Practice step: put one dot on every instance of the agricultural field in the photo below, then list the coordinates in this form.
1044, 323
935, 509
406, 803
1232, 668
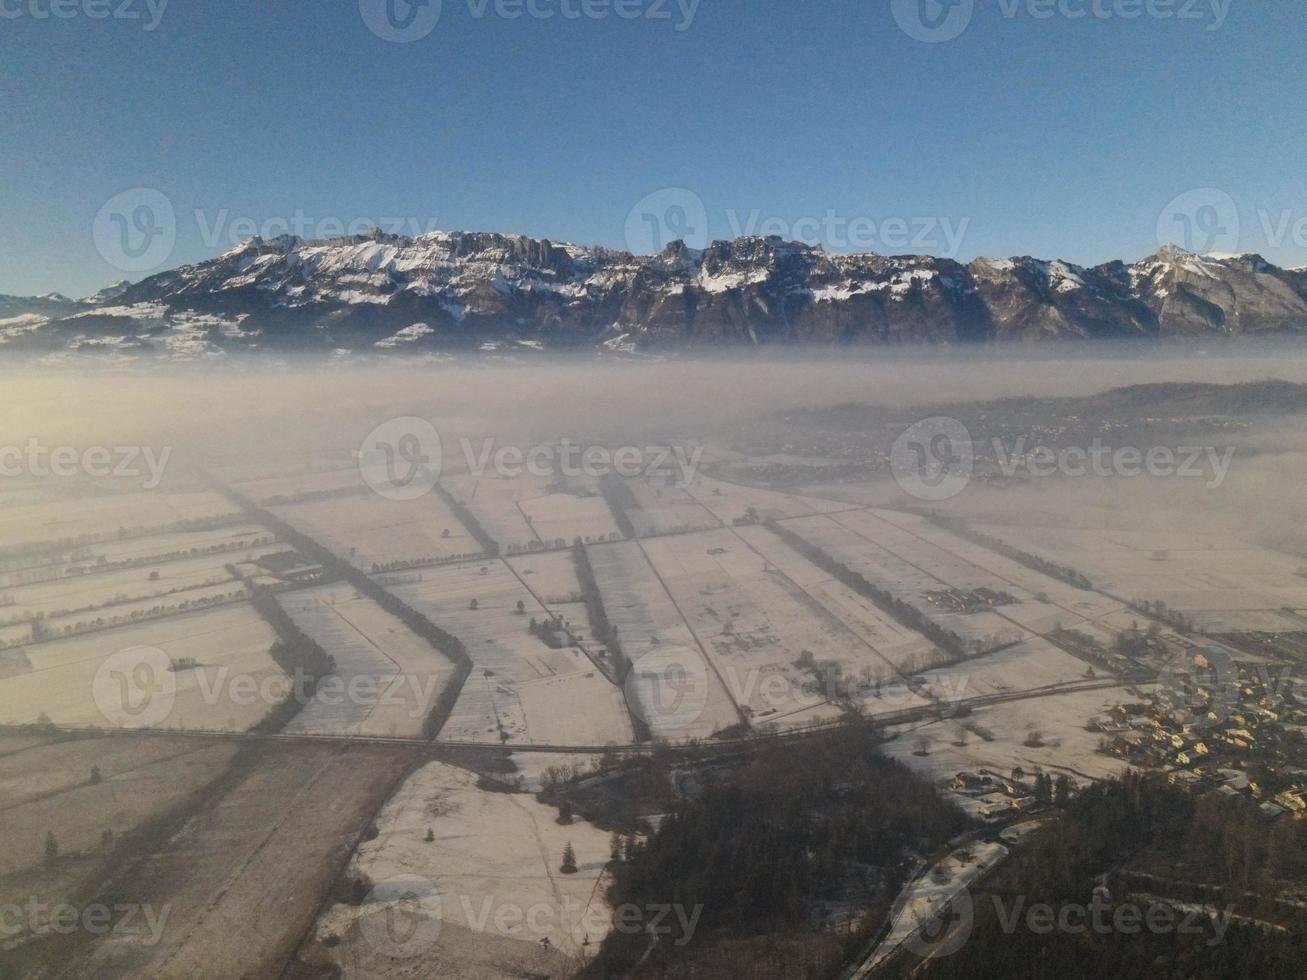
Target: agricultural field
1225, 581
496, 503
48, 787
387, 680
61, 680
733, 502
656, 505
375, 533
999, 737
95, 797
253, 863
559, 518
1032, 664
126, 613
115, 554
673, 687
287, 487
293, 470
96, 590
910, 570
521, 689
757, 626
443, 891
895, 644
103, 516
551, 578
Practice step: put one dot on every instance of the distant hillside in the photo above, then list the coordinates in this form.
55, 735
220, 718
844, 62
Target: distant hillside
1178, 400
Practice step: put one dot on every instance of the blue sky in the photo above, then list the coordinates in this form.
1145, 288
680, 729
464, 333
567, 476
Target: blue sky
1057, 136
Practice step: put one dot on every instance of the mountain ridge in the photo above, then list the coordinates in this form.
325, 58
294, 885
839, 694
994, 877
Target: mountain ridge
447, 292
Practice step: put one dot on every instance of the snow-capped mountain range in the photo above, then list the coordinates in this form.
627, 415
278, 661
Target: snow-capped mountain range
468, 291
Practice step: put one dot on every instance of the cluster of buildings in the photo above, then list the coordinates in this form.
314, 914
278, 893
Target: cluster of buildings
1249, 743
992, 796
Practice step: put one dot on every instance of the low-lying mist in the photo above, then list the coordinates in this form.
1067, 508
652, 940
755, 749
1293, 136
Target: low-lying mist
225, 406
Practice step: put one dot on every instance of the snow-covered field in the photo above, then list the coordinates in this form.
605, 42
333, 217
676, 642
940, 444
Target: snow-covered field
388, 679
1033, 663
370, 530
755, 624
235, 684
672, 685
520, 689
559, 518
1226, 580
270, 488
91, 591
1000, 733
665, 508
729, 502
496, 504
894, 644
105, 514
488, 879
910, 558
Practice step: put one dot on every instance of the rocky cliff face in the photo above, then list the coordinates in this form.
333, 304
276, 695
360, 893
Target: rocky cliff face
467, 291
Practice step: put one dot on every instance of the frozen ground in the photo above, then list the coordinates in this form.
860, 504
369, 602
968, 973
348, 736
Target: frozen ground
995, 737
235, 684
397, 675
491, 869
520, 689
672, 685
